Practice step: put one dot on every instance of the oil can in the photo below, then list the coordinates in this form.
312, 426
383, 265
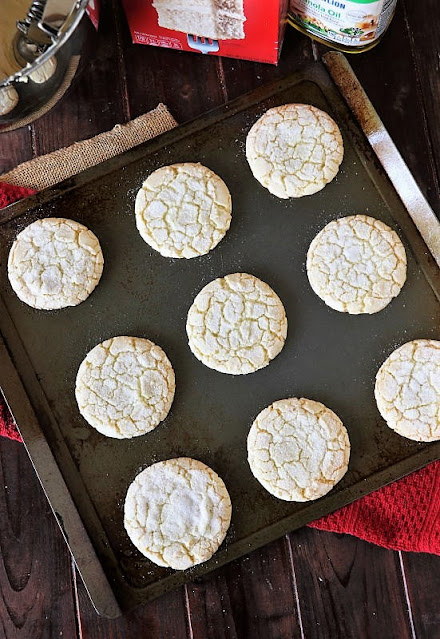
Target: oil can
351, 26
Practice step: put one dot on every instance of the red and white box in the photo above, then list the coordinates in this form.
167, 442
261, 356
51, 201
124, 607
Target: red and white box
242, 29
93, 11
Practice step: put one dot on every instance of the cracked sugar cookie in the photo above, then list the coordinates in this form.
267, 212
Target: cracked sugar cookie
236, 324
407, 390
294, 150
298, 449
177, 512
183, 210
55, 263
125, 387
356, 264
8, 99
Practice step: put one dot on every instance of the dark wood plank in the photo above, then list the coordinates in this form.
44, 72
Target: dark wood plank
393, 80
210, 609
424, 43
422, 573
348, 588
36, 593
164, 618
253, 597
241, 76
15, 147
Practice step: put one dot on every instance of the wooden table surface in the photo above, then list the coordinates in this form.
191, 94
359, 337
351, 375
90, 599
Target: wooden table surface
309, 583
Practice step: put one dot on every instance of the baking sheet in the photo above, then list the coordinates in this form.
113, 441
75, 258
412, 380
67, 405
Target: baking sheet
328, 356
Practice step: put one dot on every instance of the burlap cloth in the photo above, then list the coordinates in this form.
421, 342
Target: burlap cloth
50, 169
404, 515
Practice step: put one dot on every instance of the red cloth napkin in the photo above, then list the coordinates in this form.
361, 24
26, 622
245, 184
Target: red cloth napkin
402, 516
10, 193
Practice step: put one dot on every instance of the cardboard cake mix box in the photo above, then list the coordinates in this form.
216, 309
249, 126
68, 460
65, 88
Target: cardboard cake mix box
243, 29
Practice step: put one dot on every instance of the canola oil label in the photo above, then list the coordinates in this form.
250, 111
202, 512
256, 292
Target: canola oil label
349, 22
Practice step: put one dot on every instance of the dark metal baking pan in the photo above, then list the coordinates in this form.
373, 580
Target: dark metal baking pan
329, 356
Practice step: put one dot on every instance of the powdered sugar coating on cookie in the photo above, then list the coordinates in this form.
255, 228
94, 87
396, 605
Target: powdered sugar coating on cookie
55, 263
125, 387
294, 150
407, 390
298, 449
356, 264
183, 210
177, 512
236, 324
8, 98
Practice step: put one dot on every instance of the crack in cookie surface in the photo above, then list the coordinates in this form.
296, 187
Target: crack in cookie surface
177, 512
236, 324
298, 449
407, 390
183, 210
55, 263
294, 150
356, 264
125, 387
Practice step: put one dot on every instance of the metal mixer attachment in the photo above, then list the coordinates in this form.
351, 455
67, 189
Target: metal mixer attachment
47, 45
44, 24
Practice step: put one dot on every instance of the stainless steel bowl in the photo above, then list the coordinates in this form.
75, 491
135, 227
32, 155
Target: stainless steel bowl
31, 91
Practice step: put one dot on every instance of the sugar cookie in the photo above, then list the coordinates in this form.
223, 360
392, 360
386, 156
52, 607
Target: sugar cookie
55, 263
8, 99
177, 512
183, 210
298, 449
356, 264
294, 150
125, 387
407, 390
236, 324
